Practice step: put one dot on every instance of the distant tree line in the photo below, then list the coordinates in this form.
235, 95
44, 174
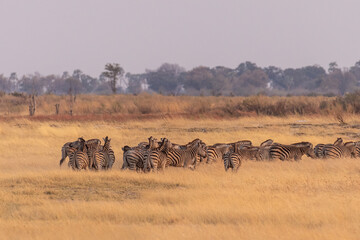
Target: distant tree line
172, 79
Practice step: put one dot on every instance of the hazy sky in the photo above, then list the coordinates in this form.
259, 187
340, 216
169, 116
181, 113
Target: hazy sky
52, 36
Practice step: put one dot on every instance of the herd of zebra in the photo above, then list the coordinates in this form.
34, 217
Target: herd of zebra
155, 155
88, 154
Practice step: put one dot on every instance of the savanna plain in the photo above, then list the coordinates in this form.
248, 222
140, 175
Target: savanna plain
309, 199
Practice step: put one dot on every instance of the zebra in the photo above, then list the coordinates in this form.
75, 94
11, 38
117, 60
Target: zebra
65, 150
318, 149
199, 158
216, 151
135, 158
232, 159
92, 146
294, 151
247, 152
264, 150
108, 153
186, 157
157, 154
99, 160
78, 157
347, 149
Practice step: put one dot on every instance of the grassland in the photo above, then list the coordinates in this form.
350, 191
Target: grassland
146, 106
310, 199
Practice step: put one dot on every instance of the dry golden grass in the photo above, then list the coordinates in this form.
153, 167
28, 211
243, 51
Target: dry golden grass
99, 107
310, 199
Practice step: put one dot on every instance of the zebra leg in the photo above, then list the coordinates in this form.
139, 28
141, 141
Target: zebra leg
163, 164
125, 164
77, 166
132, 166
61, 161
155, 167
226, 165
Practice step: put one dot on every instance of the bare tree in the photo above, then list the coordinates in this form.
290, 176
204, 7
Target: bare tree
32, 105
72, 95
57, 108
32, 102
113, 72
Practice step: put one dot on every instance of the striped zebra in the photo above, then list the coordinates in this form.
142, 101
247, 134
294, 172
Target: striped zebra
99, 160
294, 151
216, 151
199, 159
65, 150
108, 153
140, 147
345, 150
232, 160
134, 158
78, 157
92, 146
186, 157
234, 157
157, 155
264, 150
318, 149
248, 152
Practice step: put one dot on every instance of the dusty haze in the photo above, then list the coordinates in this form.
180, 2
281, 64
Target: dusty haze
55, 36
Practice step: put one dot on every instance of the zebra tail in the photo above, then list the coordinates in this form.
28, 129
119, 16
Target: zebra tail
124, 165
76, 162
63, 156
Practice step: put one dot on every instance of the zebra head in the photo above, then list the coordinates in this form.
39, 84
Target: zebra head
351, 146
82, 144
153, 143
165, 145
75, 144
106, 140
309, 150
202, 149
306, 148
